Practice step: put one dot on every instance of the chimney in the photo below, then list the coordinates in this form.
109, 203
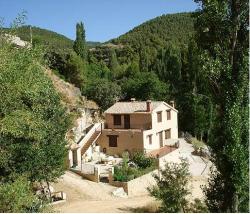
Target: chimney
172, 103
132, 99
149, 106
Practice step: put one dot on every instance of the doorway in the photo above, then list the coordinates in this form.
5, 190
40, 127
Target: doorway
127, 121
74, 152
160, 139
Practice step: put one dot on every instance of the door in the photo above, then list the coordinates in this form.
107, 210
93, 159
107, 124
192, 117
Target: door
160, 139
127, 121
74, 152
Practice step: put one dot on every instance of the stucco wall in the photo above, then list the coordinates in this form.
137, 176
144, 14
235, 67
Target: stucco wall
137, 121
171, 157
130, 140
138, 186
161, 126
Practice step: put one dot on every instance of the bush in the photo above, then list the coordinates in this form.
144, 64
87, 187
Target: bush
125, 173
17, 196
171, 188
142, 161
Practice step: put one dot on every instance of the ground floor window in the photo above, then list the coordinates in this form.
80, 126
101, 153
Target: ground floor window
167, 133
112, 140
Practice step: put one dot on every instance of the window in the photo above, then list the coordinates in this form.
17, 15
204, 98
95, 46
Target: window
167, 133
159, 117
117, 119
169, 114
150, 139
112, 140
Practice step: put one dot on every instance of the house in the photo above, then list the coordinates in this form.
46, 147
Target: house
138, 126
135, 126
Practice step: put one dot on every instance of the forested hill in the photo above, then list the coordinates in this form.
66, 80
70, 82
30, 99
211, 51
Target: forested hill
147, 40
176, 28
47, 37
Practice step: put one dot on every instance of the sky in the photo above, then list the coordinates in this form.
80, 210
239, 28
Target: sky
103, 19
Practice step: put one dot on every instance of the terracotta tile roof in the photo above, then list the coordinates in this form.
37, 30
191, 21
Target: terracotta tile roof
131, 107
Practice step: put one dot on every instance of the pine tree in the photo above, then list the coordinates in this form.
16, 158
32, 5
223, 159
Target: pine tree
80, 43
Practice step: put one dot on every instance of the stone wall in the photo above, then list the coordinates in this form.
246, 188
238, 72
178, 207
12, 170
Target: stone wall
92, 177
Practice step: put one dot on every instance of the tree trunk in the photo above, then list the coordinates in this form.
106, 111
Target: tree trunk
235, 203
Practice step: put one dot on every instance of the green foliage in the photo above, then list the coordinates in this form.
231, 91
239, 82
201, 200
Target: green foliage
74, 70
151, 36
114, 65
171, 188
80, 43
197, 206
32, 121
103, 92
125, 173
143, 86
142, 161
43, 37
68, 66
18, 197
225, 66
197, 144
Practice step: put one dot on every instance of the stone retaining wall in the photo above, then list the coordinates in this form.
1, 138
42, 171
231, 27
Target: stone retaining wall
92, 177
137, 186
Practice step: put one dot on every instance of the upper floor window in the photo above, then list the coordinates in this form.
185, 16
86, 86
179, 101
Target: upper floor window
150, 139
117, 119
169, 114
159, 116
112, 140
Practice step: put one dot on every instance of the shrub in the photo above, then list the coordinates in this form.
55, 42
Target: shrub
17, 196
142, 161
171, 189
125, 174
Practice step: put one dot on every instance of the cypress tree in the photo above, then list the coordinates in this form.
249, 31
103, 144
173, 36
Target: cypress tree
80, 43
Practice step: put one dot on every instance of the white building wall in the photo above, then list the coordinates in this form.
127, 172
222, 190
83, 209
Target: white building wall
161, 126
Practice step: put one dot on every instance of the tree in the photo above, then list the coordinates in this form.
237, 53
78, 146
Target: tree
33, 122
18, 197
171, 188
114, 65
225, 65
103, 92
80, 43
145, 85
74, 70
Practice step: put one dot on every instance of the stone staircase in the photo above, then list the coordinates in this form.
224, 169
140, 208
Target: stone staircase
90, 141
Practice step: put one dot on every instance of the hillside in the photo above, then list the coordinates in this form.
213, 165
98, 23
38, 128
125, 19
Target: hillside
47, 37
146, 40
175, 28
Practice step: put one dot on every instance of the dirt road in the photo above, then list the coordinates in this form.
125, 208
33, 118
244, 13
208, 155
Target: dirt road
87, 196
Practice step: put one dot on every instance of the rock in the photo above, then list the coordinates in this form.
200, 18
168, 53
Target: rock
119, 192
110, 158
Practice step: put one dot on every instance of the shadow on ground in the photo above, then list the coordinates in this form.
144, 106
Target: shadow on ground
149, 208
